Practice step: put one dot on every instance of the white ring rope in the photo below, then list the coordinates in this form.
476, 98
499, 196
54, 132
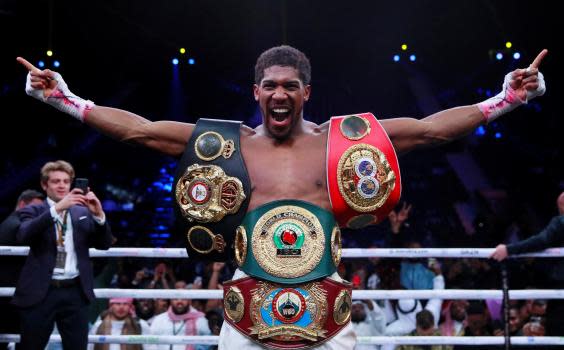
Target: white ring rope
213, 340
448, 294
347, 253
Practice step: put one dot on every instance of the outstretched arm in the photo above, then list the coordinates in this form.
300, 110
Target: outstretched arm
167, 137
519, 86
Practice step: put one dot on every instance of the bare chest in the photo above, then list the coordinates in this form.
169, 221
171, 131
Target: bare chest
289, 171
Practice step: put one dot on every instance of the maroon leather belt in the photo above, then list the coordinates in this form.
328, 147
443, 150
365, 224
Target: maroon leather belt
287, 316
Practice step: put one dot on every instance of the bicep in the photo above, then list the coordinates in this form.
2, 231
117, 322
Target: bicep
407, 133
168, 137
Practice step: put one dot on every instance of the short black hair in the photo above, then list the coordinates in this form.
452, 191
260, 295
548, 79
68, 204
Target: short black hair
28, 195
285, 56
425, 319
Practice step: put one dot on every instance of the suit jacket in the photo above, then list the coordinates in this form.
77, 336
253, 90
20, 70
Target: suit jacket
11, 265
38, 231
551, 236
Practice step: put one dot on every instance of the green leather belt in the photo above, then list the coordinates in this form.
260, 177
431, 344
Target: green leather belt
288, 241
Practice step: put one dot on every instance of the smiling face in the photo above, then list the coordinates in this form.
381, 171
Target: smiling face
57, 185
281, 96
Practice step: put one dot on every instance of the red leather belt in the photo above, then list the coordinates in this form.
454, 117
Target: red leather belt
287, 317
363, 175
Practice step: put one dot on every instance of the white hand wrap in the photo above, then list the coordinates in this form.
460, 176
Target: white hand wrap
61, 98
507, 100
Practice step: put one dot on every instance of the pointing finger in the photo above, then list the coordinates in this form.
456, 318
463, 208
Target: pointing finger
30, 67
536, 63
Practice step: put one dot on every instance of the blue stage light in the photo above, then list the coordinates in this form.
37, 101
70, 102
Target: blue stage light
498, 135
516, 56
175, 61
396, 58
499, 56
56, 64
412, 58
191, 61
480, 131
41, 64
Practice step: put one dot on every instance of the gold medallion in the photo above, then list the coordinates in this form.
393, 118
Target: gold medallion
342, 309
306, 304
234, 304
288, 241
365, 177
360, 221
206, 194
354, 127
240, 245
336, 245
204, 241
210, 145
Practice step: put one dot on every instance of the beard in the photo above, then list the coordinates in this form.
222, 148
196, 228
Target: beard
357, 318
180, 309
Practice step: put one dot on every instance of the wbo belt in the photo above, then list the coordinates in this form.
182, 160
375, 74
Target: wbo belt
288, 241
363, 174
64, 283
287, 316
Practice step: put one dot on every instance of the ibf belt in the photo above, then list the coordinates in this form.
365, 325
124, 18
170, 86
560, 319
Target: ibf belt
363, 175
212, 189
288, 241
287, 317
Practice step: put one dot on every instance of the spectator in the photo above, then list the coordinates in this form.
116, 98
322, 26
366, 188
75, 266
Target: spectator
551, 236
56, 281
119, 320
12, 265
368, 320
180, 319
425, 326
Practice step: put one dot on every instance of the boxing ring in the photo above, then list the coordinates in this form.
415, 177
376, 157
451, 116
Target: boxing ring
450, 294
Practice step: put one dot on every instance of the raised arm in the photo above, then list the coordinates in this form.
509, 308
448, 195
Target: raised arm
167, 137
519, 86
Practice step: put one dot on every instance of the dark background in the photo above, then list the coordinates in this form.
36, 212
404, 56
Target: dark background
118, 53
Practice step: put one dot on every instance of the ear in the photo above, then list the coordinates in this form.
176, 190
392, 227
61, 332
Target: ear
256, 91
44, 185
307, 92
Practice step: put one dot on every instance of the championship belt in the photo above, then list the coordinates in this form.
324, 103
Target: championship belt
288, 242
287, 316
363, 175
212, 189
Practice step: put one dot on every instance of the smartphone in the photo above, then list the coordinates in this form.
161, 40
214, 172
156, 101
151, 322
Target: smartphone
81, 183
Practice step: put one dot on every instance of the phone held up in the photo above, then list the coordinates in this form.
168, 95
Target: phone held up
81, 183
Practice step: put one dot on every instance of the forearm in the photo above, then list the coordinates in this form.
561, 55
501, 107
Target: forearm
118, 124
552, 235
451, 124
32, 227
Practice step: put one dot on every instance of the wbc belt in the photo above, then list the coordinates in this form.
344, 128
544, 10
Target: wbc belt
288, 242
212, 189
287, 316
363, 175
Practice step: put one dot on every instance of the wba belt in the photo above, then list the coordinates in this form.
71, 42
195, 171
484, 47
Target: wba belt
287, 316
288, 241
212, 189
363, 175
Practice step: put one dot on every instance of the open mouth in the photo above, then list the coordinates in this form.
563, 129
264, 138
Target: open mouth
280, 115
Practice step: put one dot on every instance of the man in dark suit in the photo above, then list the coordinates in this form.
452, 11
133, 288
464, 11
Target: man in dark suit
551, 236
55, 284
11, 265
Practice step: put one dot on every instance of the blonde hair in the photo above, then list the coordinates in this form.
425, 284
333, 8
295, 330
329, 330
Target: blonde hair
59, 165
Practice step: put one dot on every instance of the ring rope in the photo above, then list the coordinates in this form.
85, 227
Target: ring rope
448, 294
397, 340
347, 252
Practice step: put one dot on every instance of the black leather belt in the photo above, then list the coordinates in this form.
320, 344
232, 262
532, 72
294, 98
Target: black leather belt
215, 187
64, 283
